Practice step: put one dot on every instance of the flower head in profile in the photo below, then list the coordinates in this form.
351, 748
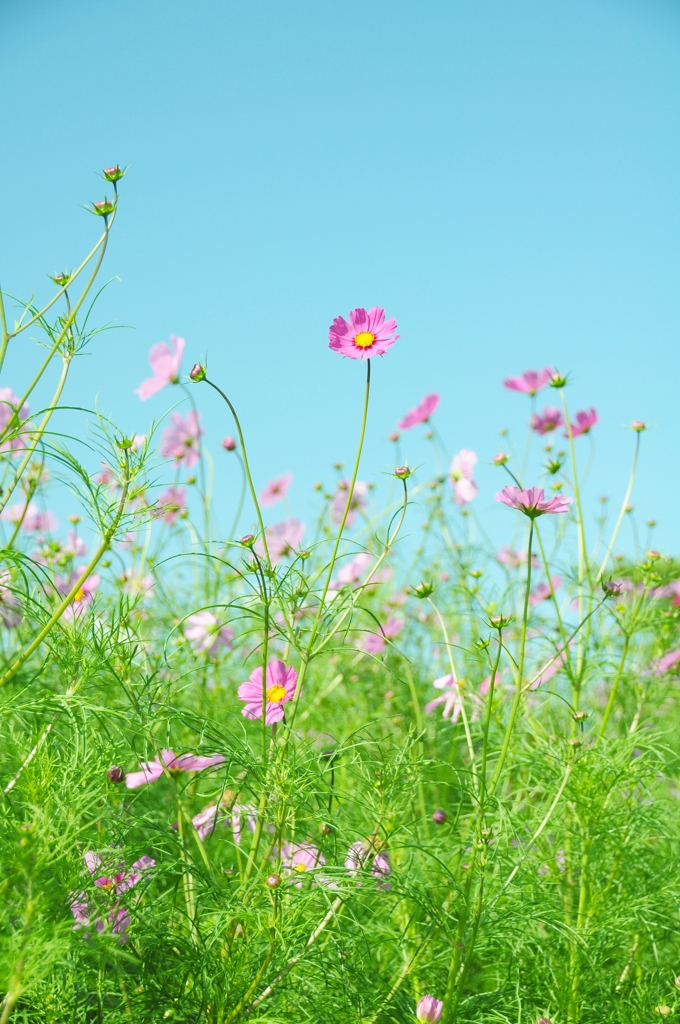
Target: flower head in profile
357, 503
207, 633
353, 570
374, 643
462, 476
547, 421
584, 421
171, 503
429, 1010
276, 490
532, 501
165, 362
150, 771
280, 685
299, 858
11, 417
542, 591
367, 334
421, 413
530, 382
450, 698
283, 539
181, 440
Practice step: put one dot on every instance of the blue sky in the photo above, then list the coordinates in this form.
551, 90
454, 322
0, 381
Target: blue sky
500, 175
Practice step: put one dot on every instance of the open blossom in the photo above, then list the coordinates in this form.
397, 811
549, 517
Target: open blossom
666, 662
429, 1010
361, 854
207, 633
530, 381
9, 407
276, 490
532, 501
181, 440
546, 421
583, 421
367, 334
374, 643
450, 698
280, 688
152, 770
462, 480
513, 559
357, 503
33, 519
137, 584
283, 539
165, 363
171, 503
119, 881
298, 858
353, 570
421, 413
75, 546
10, 615
542, 591
83, 597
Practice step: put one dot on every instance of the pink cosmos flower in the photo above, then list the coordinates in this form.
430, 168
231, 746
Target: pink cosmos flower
283, 539
584, 420
165, 365
421, 413
353, 571
152, 770
276, 490
462, 481
666, 662
84, 596
530, 381
298, 858
34, 521
546, 421
671, 590
107, 477
181, 440
116, 884
10, 616
549, 672
358, 857
542, 591
357, 504
171, 503
451, 698
121, 879
281, 683
532, 501
513, 559
136, 584
429, 1010
75, 546
9, 406
207, 633
366, 334
374, 643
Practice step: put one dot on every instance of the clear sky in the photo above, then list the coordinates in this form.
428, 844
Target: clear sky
500, 175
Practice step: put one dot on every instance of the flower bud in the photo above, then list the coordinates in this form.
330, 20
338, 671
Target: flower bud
580, 716
248, 540
103, 208
500, 621
116, 773
424, 589
394, 436
318, 486
500, 459
273, 881
74, 519
543, 1020
191, 479
429, 1010
653, 555
113, 173
663, 1010
558, 380
677, 981
402, 472
326, 829
638, 426
197, 372
439, 817
611, 587
229, 444
61, 280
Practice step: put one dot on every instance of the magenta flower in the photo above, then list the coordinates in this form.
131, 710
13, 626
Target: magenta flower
584, 420
374, 643
207, 633
171, 503
421, 413
165, 365
359, 856
152, 770
116, 884
666, 662
429, 1010
9, 407
283, 539
530, 381
10, 616
84, 596
298, 858
276, 490
281, 682
462, 480
532, 501
357, 504
181, 440
548, 420
366, 334
542, 591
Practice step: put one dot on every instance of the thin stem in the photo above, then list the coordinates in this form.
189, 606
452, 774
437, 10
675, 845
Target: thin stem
624, 506
463, 713
612, 693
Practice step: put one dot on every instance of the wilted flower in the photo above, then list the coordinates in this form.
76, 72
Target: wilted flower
548, 420
530, 381
357, 504
283, 539
584, 421
276, 490
152, 770
421, 413
462, 481
367, 334
207, 633
181, 440
280, 688
429, 1010
532, 501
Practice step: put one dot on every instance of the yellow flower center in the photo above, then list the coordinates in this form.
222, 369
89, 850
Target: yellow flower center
275, 693
364, 339
79, 594
106, 885
300, 867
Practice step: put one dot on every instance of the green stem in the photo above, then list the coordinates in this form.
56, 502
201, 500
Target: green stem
629, 491
612, 693
463, 713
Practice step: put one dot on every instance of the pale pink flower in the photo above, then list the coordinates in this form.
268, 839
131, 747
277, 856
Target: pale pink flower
513, 559
671, 590
107, 477
283, 539
542, 591
280, 688
10, 616
299, 858
165, 363
429, 1009
116, 884
584, 420
357, 504
152, 770
84, 596
374, 643
206, 821
207, 633
366, 334
276, 490
421, 413
450, 698
666, 662
120, 879
171, 503
127, 540
546, 421
353, 571
360, 855
9, 406
462, 480
181, 441
239, 812
550, 671
75, 546
137, 584
530, 381
138, 441
34, 521
532, 501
